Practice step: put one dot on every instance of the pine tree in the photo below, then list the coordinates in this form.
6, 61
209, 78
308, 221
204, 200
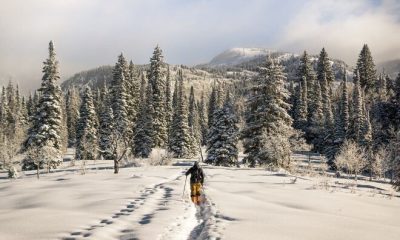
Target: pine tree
119, 97
327, 106
45, 131
366, 70
143, 138
212, 106
301, 111
343, 126
86, 129
202, 120
132, 85
4, 110
223, 137
175, 94
106, 131
168, 99
180, 143
382, 89
324, 71
72, 112
293, 101
268, 124
316, 130
306, 70
366, 128
193, 121
357, 109
157, 80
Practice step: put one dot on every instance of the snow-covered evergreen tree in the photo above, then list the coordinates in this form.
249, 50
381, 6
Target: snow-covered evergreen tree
365, 69
46, 127
324, 71
381, 88
327, 106
223, 136
202, 120
343, 126
156, 76
106, 129
168, 99
268, 124
193, 119
181, 140
316, 125
119, 97
212, 106
143, 138
86, 129
132, 85
357, 116
301, 110
72, 114
306, 70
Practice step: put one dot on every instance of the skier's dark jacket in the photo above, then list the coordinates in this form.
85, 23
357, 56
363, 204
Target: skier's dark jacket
197, 175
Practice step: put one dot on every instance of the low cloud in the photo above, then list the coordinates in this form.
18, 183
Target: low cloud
342, 27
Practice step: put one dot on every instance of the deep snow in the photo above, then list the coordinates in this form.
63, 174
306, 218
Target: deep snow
148, 203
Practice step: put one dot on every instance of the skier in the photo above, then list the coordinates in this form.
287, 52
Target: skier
196, 182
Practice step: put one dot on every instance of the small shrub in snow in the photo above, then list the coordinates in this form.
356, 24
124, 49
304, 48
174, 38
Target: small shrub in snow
12, 172
160, 157
351, 158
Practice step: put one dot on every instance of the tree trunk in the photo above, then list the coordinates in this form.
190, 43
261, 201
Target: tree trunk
116, 166
37, 171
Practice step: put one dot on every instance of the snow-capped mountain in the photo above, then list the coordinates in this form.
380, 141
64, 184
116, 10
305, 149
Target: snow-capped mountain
236, 56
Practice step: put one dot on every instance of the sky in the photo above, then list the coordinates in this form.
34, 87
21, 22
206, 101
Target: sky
91, 33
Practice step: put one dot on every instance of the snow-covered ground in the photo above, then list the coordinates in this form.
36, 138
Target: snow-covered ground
147, 203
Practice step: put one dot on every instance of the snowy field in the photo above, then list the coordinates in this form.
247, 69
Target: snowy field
147, 203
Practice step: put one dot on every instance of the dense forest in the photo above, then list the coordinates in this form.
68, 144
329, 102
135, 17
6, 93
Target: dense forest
262, 108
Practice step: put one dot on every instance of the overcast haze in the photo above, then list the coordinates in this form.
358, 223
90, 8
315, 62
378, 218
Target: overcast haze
90, 33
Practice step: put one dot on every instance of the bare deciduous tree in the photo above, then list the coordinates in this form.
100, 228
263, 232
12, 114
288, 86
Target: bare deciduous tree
351, 158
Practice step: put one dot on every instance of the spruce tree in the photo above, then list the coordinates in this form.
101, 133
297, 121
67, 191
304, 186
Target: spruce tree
302, 112
366, 128
324, 71
306, 70
343, 127
181, 141
157, 80
357, 109
4, 110
119, 97
382, 89
212, 106
44, 133
293, 101
202, 120
366, 70
327, 106
106, 130
316, 125
193, 121
175, 94
132, 85
223, 136
72, 112
168, 99
86, 129
143, 137
268, 124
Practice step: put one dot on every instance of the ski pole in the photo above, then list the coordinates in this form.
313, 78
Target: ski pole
184, 186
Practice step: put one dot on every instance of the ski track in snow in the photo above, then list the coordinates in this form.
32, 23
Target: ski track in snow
134, 220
